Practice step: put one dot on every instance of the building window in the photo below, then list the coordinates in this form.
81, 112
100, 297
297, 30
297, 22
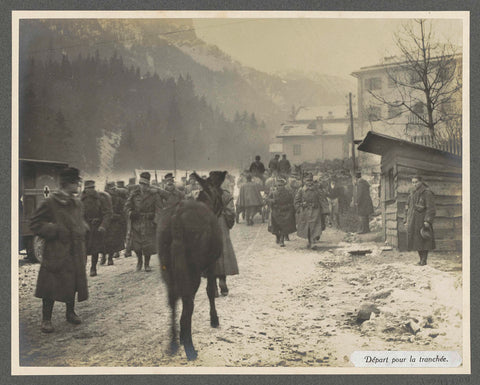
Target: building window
419, 108
373, 84
394, 111
415, 77
374, 113
297, 149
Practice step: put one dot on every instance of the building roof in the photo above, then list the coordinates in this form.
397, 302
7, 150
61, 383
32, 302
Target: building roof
42, 161
312, 113
381, 144
391, 63
301, 129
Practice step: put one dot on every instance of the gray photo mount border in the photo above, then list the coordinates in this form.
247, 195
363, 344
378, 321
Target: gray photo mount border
372, 5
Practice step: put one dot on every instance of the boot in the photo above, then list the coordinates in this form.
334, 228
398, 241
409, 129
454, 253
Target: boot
282, 244
47, 308
116, 254
93, 268
139, 261
286, 238
128, 252
103, 260
222, 282
147, 264
278, 239
70, 314
110, 260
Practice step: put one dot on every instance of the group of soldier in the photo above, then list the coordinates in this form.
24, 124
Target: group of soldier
104, 223
297, 202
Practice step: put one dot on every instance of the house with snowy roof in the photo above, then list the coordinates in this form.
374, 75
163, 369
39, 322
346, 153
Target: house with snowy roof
315, 134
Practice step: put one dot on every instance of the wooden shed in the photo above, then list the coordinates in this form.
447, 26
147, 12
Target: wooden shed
442, 172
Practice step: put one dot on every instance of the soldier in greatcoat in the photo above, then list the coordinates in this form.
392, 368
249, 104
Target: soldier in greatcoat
170, 194
142, 207
419, 215
227, 263
363, 203
115, 235
98, 214
284, 167
128, 237
60, 222
282, 219
273, 164
249, 200
192, 189
309, 209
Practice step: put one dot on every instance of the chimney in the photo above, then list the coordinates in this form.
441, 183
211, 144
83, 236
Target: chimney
320, 123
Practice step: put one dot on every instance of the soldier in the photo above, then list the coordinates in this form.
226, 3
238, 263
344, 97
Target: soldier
419, 215
142, 206
335, 195
284, 166
273, 164
98, 214
249, 200
257, 169
115, 235
60, 222
170, 195
128, 237
192, 189
282, 221
227, 263
363, 203
308, 207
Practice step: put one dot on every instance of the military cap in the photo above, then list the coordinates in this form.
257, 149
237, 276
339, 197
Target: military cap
89, 184
70, 175
144, 178
120, 183
132, 181
168, 176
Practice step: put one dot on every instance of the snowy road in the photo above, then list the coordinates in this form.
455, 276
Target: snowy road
287, 307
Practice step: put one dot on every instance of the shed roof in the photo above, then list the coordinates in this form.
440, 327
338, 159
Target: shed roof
381, 144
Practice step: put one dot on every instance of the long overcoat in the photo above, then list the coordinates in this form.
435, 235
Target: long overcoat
283, 212
227, 263
420, 208
363, 199
98, 213
249, 196
59, 220
142, 208
115, 235
309, 210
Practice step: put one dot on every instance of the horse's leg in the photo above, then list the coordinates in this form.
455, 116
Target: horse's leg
172, 301
211, 285
186, 327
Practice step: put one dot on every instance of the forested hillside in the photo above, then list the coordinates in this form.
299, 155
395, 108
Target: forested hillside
67, 106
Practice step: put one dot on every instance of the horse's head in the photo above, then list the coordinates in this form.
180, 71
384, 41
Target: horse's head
211, 193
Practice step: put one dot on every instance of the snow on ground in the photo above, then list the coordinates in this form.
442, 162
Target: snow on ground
288, 307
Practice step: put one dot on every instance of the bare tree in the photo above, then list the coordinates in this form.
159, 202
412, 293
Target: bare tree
425, 81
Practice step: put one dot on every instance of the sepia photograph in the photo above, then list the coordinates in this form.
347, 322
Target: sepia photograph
240, 192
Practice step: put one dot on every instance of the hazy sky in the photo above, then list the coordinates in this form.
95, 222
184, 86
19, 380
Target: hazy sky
328, 46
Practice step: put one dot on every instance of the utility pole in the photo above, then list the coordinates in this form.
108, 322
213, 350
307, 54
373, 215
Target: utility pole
174, 159
351, 131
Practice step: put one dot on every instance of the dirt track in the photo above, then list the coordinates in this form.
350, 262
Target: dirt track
288, 307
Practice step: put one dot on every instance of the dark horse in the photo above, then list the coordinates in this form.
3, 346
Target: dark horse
189, 242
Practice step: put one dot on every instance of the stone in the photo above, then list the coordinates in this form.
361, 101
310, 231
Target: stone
365, 312
412, 326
